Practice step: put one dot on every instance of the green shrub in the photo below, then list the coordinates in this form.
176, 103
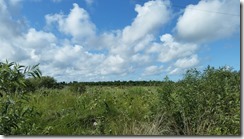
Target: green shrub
12, 76
33, 84
77, 88
17, 117
205, 103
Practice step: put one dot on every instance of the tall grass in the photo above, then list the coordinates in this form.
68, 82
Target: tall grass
205, 103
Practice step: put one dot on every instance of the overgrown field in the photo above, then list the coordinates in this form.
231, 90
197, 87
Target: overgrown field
202, 103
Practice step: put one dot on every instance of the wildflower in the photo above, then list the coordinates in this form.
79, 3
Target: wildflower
95, 124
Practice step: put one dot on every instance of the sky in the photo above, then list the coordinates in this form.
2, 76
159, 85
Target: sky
108, 40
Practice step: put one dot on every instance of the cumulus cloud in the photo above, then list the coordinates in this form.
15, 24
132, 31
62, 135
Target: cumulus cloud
114, 55
132, 49
9, 27
12, 52
89, 2
187, 62
129, 43
39, 39
112, 65
150, 17
176, 54
59, 58
77, 23
138, 58
209, 20
10, 32
181, 65
140, 46
153, 70
169, 49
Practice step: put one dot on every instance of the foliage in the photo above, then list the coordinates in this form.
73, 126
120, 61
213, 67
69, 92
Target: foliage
12, 76
77, 88
16, 117
205, 103
42, 82
202, 103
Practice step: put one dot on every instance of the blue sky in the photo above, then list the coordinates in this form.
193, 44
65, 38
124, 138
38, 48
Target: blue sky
94, 40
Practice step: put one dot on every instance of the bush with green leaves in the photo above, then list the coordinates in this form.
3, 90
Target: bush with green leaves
77, 88
16, 117
12, 76
33, 84
206, 103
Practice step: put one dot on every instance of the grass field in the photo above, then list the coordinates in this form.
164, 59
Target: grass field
205, 103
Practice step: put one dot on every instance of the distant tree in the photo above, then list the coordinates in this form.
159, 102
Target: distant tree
47, 82
43, 82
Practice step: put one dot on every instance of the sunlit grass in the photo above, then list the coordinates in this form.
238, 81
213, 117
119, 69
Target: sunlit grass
201, 104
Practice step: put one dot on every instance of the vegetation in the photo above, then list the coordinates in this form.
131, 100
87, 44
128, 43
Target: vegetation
202, 103
12, 76
16, 115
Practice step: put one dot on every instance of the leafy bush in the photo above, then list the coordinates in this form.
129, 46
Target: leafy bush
16, 117
12, 76
77, 88
205, 103
43, 82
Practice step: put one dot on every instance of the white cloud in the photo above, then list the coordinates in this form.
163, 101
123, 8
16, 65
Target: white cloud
12, 52
176, 71
141, 59
169, 49
113, 64
77, 23
89, 2
205, 22
151, 16
140, 46
187, 62
10, 28
39, 39
10, 32
153, 70
131, 42
181, 65
167, 38
67, 55
89, 55
38, 45
3, 6
58, 58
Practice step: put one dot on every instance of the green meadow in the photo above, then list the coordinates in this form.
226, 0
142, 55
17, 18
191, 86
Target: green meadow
202, 103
